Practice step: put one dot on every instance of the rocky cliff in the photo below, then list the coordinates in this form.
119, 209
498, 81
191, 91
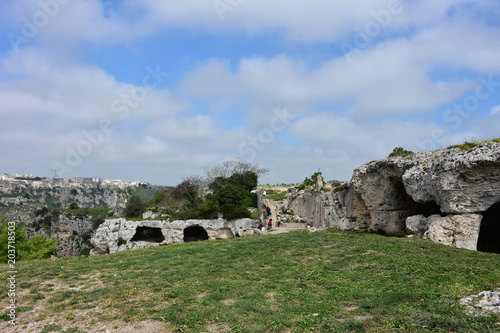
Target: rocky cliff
449, 195
59, 193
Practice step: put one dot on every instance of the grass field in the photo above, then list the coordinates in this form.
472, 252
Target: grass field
294, 282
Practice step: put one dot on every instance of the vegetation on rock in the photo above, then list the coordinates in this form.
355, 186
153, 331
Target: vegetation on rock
401, 152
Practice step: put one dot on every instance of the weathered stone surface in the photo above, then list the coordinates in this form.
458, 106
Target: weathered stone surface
116, 235
458, 181
441, 194
454, 230
486, 303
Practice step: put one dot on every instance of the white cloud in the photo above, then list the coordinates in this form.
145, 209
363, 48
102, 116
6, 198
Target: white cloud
495, 110
347, 109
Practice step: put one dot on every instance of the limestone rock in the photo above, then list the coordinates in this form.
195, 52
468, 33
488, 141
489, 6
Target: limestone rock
454, 230
448, 195
116, 235
486, 303
458, 181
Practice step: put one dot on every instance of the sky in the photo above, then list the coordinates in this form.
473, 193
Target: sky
159, 90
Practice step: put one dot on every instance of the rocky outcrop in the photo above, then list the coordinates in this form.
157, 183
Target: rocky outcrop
451, 196
458, 181
343, 210
443, 194
116, 235
458, 230
486, 303
72, 233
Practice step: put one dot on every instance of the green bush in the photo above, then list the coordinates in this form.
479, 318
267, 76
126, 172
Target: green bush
73, 205
134, 208
233, 212
35, 247
401, 152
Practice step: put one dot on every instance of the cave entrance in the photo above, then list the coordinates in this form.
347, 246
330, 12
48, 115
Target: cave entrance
489, 233
147, 234
404, 203
428, 208
195, 233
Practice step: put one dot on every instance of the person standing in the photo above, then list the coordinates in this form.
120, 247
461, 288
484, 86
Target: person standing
270, 224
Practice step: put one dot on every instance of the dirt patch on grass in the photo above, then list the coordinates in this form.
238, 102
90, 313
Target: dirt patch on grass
229, 301
218, 328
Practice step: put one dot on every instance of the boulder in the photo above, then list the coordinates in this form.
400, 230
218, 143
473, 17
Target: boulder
460, 231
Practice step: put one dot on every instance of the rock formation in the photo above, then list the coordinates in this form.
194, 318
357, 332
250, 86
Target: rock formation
116, 235
451, 196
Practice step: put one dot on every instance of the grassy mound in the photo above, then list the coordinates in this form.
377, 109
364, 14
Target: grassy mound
294, 282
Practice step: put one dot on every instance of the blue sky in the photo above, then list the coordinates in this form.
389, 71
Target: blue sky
157, 91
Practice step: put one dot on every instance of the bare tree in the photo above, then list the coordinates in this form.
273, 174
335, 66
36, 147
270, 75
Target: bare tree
236, 166
191, 189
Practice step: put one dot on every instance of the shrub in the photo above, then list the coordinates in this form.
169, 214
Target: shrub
233, 212
401, 152
35, 247
135, 207
73, 205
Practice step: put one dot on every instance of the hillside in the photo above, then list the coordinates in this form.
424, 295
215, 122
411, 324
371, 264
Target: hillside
295, 282
60, 193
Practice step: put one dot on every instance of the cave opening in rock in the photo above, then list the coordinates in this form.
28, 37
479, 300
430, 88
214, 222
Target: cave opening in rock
147, 234
489, 233
195, 233
404, 203
428, 208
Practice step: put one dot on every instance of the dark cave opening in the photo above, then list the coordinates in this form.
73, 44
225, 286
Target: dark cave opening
428, 208
147, 234
409, 207
195, 233
489, 232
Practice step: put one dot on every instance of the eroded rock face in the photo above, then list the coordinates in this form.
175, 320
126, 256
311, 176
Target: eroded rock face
458, 230
449, 195
458, 181
441, 194
116, 235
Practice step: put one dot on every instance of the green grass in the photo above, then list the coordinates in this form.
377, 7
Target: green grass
276, 195
467, 145
294, 282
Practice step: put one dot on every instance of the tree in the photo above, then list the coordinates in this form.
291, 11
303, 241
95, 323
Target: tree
134, 207
190, 189
236, 189
312, 180
35, 247
236, 166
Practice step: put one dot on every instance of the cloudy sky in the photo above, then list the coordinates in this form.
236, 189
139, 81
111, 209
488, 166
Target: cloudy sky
157, 90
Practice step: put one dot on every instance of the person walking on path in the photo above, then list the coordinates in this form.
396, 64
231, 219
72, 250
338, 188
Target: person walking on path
270, 224
268, 211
